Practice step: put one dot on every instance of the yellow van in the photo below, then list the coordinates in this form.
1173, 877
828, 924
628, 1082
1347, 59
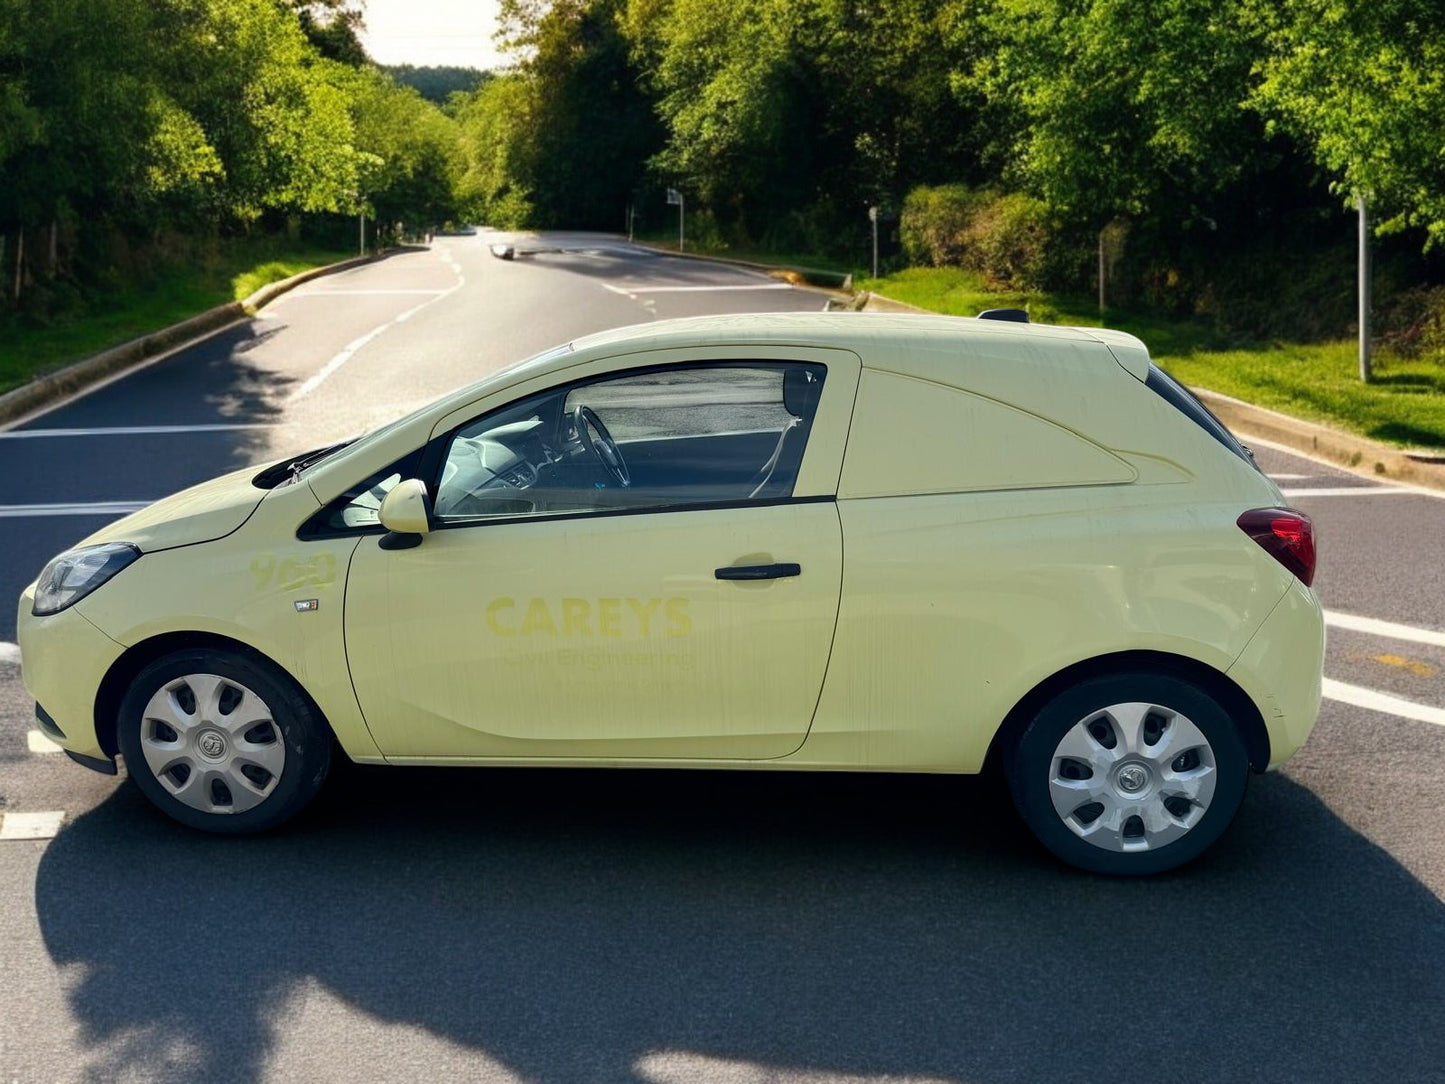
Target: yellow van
803, 541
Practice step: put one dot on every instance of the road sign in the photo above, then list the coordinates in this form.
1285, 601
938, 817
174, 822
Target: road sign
674, 197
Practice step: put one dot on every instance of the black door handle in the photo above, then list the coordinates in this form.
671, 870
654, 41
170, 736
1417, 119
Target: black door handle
758, 572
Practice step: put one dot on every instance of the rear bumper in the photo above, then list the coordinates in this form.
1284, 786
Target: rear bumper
1281, 669
63, 658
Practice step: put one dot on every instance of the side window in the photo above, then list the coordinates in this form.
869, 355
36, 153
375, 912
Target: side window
656, 439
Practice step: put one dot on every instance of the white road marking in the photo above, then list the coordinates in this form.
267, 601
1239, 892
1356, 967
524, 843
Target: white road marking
1350, 491
1360, 697
37, 742
1291, 477
132, 430
1337, 468
1388, 629
95, 508
31, 825
316, 379
349, 350
9, 652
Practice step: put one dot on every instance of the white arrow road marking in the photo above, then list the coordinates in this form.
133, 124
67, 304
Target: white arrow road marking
31, 825
94, 508
1371, 700
39, 743
1387, 629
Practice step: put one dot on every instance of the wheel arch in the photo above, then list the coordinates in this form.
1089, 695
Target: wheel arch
1235, 700
136, 658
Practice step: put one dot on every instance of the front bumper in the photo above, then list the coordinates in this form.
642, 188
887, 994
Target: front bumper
1281, 670
63, 658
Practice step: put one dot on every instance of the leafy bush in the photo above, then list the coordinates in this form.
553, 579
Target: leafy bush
1411, 323
1004, 236
934, 222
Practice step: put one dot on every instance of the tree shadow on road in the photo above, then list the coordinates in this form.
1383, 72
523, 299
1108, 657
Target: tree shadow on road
573, 926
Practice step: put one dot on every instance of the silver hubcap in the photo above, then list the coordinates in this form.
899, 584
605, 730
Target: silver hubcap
1132, 777
211, 742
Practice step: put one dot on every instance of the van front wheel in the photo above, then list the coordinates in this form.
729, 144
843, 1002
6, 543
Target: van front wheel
222, 742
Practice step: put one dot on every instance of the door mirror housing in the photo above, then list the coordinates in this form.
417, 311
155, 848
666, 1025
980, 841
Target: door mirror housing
406, 513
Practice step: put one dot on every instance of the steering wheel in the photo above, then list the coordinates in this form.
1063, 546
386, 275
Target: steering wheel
592, 433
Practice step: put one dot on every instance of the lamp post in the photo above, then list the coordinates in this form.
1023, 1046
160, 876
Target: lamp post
1364, 288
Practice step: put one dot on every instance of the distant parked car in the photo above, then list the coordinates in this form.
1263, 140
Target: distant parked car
806, 541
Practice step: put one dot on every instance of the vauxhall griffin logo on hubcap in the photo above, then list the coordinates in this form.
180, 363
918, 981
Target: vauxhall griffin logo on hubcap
1133, 779
212, 745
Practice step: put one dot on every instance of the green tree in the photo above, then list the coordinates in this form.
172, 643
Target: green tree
275, 113
437, 84
494, 126
415, 149
591, 127
1115, 108
1363, 86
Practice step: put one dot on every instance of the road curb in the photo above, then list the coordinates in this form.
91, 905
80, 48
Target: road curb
1359, 455
50, 387
878, 303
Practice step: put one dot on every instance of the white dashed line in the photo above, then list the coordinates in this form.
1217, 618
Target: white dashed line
1291, 477
1350, 491
95, 508
349, 350
1388, 629
1369, 699
31, 825
9, 652
39, 743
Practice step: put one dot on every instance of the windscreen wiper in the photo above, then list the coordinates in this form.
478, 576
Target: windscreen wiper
299, 464
289, 471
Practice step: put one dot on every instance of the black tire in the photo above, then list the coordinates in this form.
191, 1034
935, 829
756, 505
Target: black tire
1180, 825
267, 772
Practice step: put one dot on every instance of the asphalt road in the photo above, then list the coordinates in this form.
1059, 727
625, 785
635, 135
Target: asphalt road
551, 925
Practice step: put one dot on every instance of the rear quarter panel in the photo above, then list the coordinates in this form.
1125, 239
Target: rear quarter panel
955, 606
976, 567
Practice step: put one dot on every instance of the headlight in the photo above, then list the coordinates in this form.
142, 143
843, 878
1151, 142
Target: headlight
76, 573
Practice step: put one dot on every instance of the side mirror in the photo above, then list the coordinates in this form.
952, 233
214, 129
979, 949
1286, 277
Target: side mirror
406, 513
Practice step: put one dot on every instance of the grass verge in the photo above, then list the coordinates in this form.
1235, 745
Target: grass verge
29, 347
1403, 406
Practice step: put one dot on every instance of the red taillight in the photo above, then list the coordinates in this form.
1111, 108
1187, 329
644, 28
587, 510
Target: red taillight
1289, 537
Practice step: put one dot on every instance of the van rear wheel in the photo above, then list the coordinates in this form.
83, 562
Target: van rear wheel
1130, 773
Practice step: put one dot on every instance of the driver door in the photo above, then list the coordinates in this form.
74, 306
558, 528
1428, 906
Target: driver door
688, 614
